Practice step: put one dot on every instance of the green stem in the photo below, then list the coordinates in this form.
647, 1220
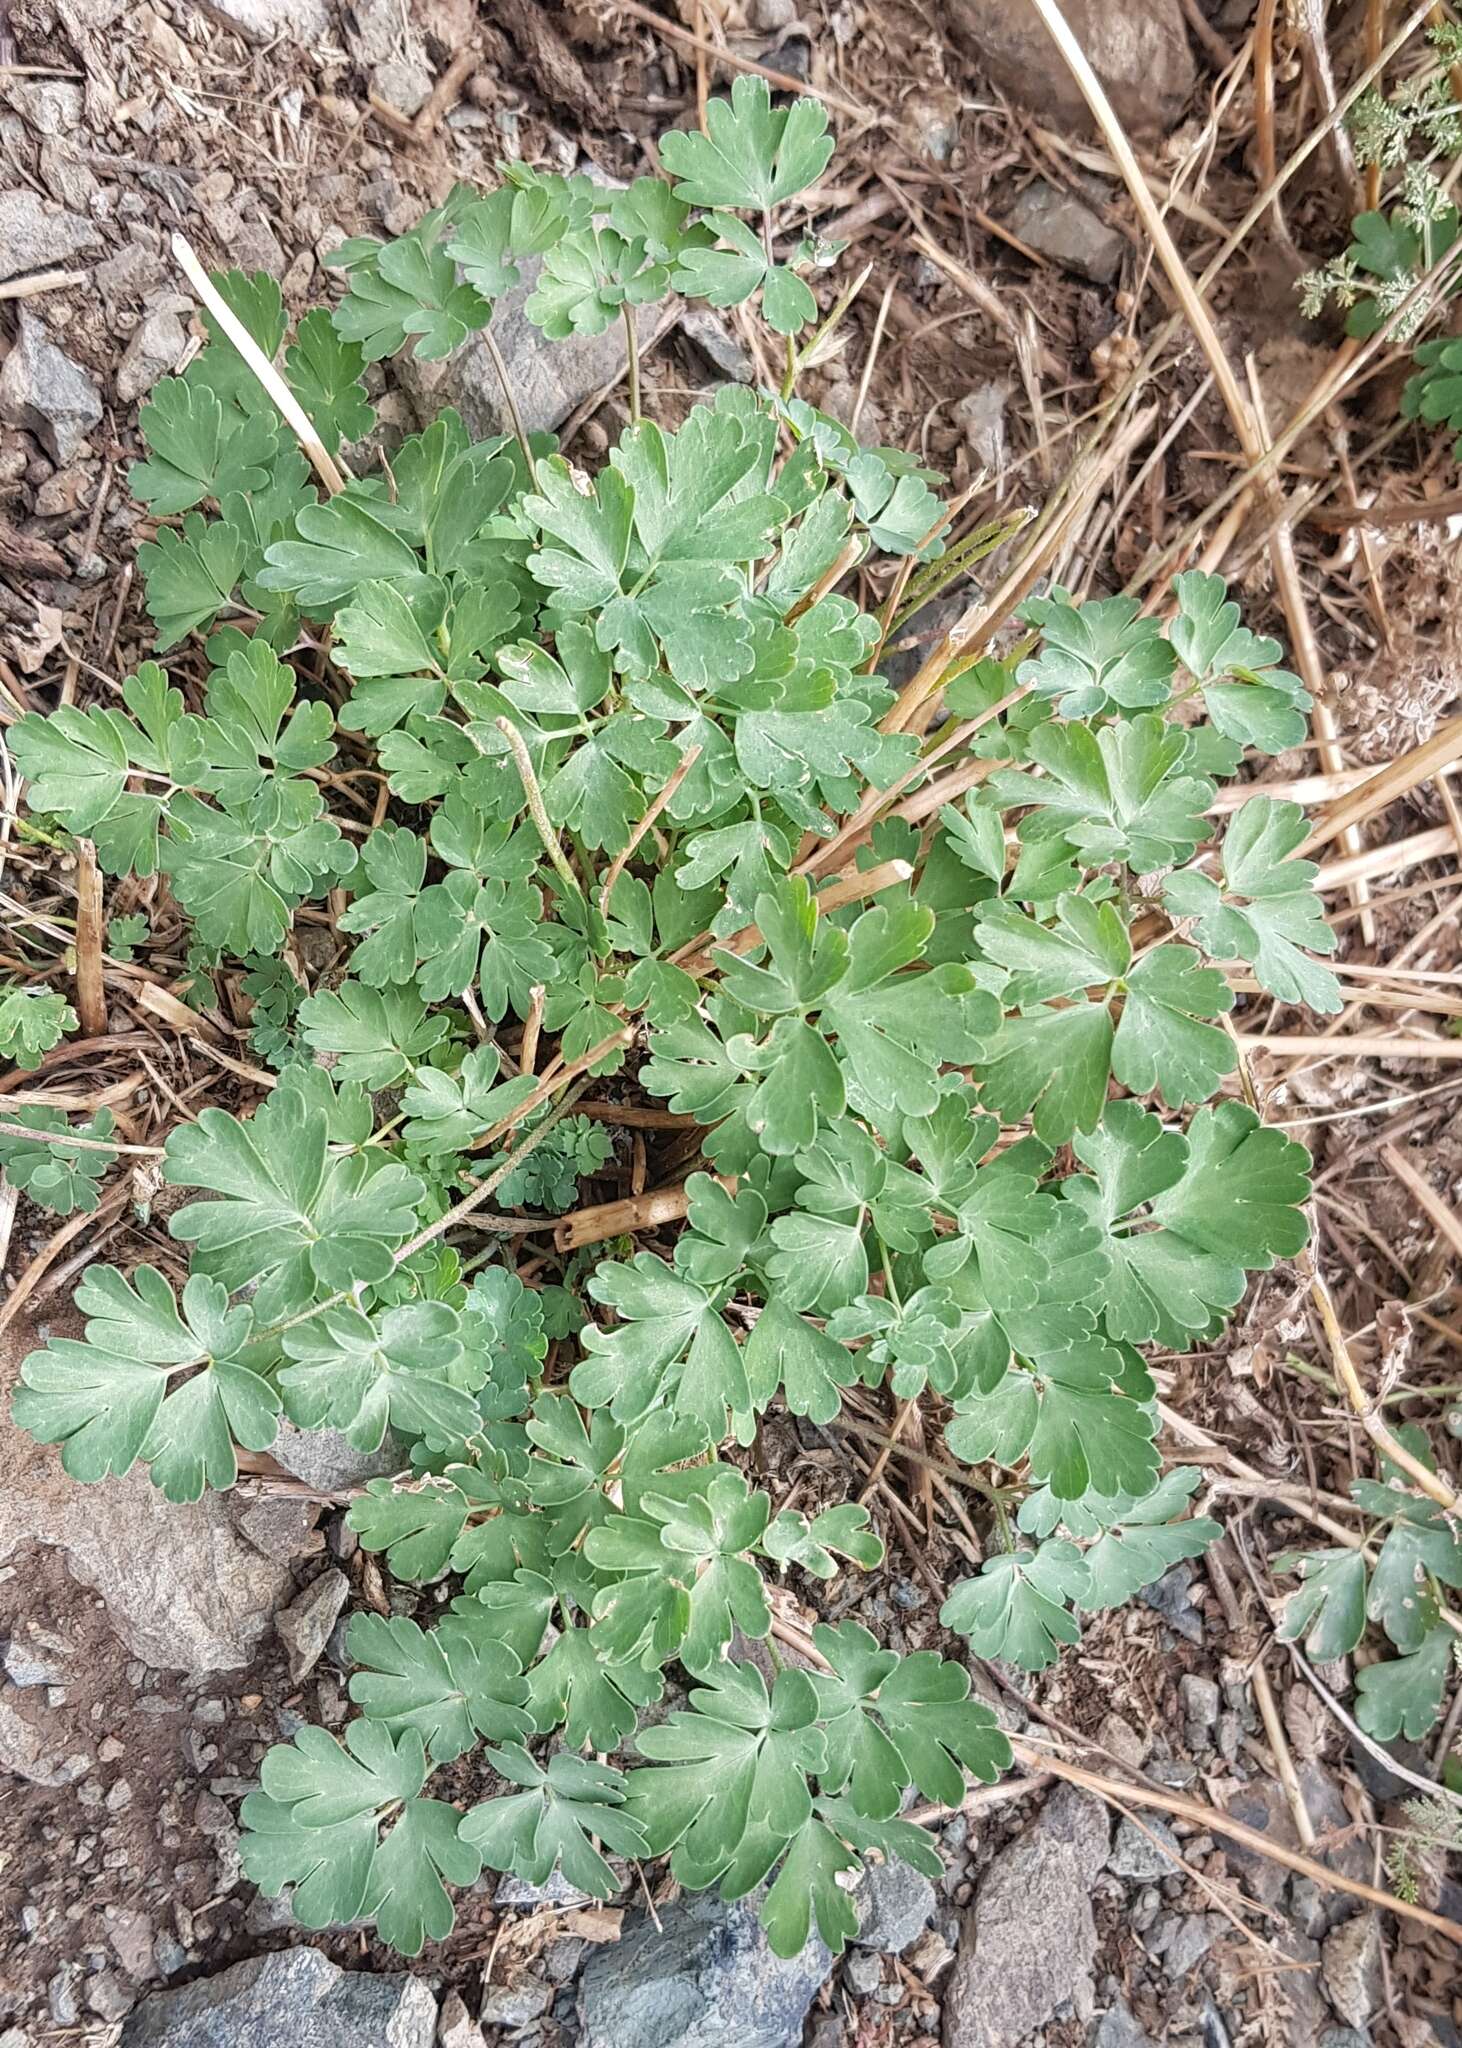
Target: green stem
632, 354
537, 810
519, 432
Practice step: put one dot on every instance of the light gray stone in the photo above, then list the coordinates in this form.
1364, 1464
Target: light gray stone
282, 1528
550, 379
305, 22
705, 1978
1028, 1942
1057, 224
28, 1750
456, 2027
515, 2005
27, 1661
181, 1587
42, 389
402, 83
557, 1891
295, 1996
1139, 50
155, 348
1350, 1964
1140, 1859
1201, 1701
894, 1904
1118, 2029
1193, 1937
37, 236
304, 1626
328, 1461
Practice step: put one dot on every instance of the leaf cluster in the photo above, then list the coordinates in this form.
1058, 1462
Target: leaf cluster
543, 768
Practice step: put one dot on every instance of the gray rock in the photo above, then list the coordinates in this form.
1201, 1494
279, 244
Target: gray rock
1140, 1859
517, 1891
61, 1997
44, 390
713, 336
1028, 1942
37, 236
305, 22
1118, 2029
1345, 2037
28, 1662
456, 2027
1263, 1805
1171, 1597
1056, 224
1193, 1937
155, 348
1124, 1741
304, 1626
1139, 50
402, 83
862, 1973
1350, 1964
130, 1934
296, 1995
1200, 1700
705, 1978
895, 1904
108, 1997
1384, 1785
550, 379
515, 2005
328, 1461
181, 1587
29, 1751
281, 1529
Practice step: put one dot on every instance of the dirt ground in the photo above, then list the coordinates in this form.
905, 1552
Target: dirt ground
128, 123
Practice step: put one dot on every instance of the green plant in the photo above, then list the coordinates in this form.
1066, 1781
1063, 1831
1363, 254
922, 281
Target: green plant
32, 1020
1398, 1578
925, 1096
1375, 279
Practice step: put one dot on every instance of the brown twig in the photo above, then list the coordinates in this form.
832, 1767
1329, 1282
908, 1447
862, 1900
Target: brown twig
1213, 1820
1425, 1196
621, 1219
91, 989
687, 761
1367, 1412
443, 95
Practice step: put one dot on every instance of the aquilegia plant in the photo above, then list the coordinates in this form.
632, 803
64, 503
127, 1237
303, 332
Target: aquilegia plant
599, 778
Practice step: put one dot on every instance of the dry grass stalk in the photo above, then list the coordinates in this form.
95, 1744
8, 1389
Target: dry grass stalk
652, 811
622, 1219
1373, 1045
330, 473
1432, 1484
91, 988
1381, 790
1213, 1820
1425, 1196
